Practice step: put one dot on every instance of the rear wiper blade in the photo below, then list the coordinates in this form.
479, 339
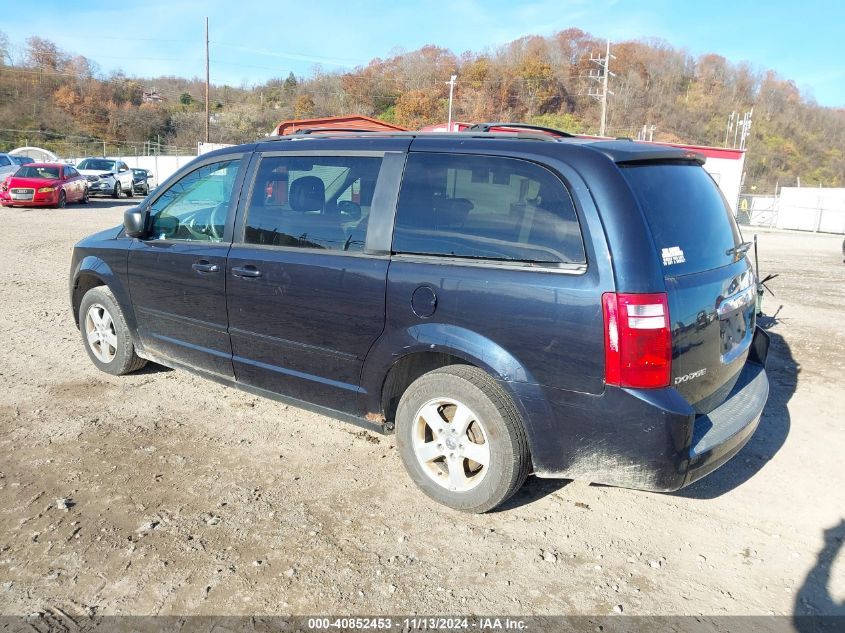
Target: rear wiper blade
739, 249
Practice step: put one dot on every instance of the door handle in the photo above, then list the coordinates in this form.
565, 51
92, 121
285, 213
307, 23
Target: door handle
204, 266
249, 271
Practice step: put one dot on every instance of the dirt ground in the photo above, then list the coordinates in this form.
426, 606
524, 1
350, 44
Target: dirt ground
187, 497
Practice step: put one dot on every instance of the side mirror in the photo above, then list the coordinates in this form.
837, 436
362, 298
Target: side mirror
134, 221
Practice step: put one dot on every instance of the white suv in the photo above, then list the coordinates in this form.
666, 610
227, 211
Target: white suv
107, 177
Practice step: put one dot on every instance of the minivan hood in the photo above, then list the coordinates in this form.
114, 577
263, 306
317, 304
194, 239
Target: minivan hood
107, 234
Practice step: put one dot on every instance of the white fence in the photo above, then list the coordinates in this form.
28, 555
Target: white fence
161, 166
796, 208
807, 209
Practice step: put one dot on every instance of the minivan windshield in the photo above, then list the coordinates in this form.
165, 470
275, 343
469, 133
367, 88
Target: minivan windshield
96, 163
692, 224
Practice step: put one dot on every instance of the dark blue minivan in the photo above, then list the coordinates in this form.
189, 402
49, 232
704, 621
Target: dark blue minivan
507, 303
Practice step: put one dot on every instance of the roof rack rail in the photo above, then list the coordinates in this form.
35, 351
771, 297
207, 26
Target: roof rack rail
314, 130
487, 127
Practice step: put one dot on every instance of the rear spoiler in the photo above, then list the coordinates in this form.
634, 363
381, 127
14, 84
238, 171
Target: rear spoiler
632, 153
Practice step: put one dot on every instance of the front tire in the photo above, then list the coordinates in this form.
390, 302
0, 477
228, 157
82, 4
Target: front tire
461, 439
105, 335
62, 201
117, 190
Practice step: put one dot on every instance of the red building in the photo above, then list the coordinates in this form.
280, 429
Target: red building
350, 121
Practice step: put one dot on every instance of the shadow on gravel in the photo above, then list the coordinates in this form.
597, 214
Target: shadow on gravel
534, 488
152, 368
770, 435
815, 609
104, 203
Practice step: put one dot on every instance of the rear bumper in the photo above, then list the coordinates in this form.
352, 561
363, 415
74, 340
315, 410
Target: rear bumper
648, 439
723, 432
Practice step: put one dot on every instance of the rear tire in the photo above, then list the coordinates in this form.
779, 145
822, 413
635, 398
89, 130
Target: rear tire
85, 197
105, 335
451, 415
131, 192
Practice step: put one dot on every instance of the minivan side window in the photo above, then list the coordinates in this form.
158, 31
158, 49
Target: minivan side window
312, 202
485, 207
195, 207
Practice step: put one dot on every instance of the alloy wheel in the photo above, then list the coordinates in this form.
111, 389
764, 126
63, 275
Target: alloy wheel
450, 444
100, 333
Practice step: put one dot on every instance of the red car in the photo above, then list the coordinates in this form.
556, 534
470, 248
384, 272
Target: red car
44, 185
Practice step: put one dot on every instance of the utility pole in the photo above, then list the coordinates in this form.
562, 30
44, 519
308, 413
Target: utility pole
730, 126
602, 76
207, 82
746, 128
451, 84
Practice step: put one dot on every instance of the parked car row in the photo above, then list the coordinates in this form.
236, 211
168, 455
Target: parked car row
27, 183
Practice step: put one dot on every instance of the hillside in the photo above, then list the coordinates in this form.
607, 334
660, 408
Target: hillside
61, 101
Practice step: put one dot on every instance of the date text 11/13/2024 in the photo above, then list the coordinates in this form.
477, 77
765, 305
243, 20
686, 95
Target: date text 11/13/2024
418, 623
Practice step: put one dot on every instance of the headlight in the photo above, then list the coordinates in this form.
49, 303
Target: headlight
46, 189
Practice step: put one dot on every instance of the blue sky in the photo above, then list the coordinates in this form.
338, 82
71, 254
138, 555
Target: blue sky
252, 41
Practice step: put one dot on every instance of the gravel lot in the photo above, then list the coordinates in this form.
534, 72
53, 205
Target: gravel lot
186, 497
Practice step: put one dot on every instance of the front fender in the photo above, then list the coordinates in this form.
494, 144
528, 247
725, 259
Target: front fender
108, 273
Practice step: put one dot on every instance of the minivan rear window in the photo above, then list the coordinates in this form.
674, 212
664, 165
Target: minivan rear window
485, 207
692, 225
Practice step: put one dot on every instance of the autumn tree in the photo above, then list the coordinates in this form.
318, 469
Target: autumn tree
44, 54
303, 107
417, 108
60, 97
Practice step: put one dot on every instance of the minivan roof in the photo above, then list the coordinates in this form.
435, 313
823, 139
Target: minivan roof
617, 150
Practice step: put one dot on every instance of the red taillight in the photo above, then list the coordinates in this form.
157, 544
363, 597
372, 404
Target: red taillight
637, 340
